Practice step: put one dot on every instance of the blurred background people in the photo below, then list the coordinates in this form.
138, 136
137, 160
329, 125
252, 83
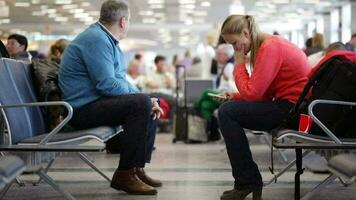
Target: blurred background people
56, 50
351, 45
17, 46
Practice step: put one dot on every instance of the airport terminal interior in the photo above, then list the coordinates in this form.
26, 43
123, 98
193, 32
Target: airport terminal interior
190, 67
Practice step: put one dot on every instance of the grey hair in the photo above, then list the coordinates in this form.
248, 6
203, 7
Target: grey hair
228, 49
112, 10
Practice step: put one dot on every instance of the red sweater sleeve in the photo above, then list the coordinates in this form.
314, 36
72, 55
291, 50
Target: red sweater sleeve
267, 66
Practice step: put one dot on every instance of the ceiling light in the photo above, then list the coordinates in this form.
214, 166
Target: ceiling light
78, 10
22, 4
146, 12
61, 19
35, 1
155, 1
205, 4
187, 6
186, 1
70, 6
63, 1
85, 4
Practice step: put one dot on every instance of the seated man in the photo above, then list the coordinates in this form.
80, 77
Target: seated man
17, 46
92, 78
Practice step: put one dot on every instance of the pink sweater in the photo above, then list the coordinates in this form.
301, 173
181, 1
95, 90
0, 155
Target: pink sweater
280, 73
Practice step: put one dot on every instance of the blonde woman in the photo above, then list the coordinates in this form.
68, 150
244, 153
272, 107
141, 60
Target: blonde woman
279, 73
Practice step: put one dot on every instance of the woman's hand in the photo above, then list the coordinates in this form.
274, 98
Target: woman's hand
223, 97
240, 57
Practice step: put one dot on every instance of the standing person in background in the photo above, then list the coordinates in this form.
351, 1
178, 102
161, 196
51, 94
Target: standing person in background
279, 73
17, 47
92, 78
351, 45
56, 50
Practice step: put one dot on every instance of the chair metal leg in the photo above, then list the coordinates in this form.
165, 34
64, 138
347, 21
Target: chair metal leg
300, 170
54, 185
290, 165
328, 180
20, 182
4, 191
86, 159
45, 171
279, 151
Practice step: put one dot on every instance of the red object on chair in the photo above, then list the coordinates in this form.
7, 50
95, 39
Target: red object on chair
305, 123
165, 107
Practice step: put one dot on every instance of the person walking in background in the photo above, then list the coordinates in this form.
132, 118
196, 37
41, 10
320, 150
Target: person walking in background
279, 73
92, 78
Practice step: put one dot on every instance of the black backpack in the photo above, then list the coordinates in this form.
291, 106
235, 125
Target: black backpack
45, 77
334, 80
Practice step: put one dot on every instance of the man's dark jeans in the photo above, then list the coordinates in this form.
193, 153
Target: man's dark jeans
234, 116
133, 112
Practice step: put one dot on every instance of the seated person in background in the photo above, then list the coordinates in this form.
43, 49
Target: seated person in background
92, 78
280, 72
315, 58
351, 45
17, 46
57, 49
161, 83
133, 74
160, 80
206, 104
196, 69
318, 44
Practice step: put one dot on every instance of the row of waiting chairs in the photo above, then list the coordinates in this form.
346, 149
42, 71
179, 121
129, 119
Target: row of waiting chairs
26, 128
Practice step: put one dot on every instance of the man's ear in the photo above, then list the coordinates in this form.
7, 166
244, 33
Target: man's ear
122, 22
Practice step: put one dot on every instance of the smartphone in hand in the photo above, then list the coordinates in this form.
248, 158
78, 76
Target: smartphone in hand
218, 96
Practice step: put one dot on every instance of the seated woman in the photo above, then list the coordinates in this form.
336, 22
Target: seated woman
279, 73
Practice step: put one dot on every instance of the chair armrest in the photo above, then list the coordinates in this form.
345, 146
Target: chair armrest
319, 123
51, 103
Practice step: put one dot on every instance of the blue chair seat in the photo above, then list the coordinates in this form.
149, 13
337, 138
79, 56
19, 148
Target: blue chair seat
102, 133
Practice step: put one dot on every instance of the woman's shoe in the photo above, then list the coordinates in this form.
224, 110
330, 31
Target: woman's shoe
241, 194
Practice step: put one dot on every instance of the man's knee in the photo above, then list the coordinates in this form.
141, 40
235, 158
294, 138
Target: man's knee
142, 103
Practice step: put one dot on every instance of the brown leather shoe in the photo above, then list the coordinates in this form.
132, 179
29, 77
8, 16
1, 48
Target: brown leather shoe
128, 181
140, 172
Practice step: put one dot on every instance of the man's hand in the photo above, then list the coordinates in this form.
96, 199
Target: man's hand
156, 109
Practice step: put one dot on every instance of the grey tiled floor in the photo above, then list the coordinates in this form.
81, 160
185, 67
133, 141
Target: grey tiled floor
188, 172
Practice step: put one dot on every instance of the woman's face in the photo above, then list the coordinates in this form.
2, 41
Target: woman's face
239, 41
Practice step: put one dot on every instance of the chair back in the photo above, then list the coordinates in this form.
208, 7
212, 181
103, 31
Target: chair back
16, 87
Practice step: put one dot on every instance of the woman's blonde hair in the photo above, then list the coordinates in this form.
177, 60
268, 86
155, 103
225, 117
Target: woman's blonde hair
318, 40
234, 24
